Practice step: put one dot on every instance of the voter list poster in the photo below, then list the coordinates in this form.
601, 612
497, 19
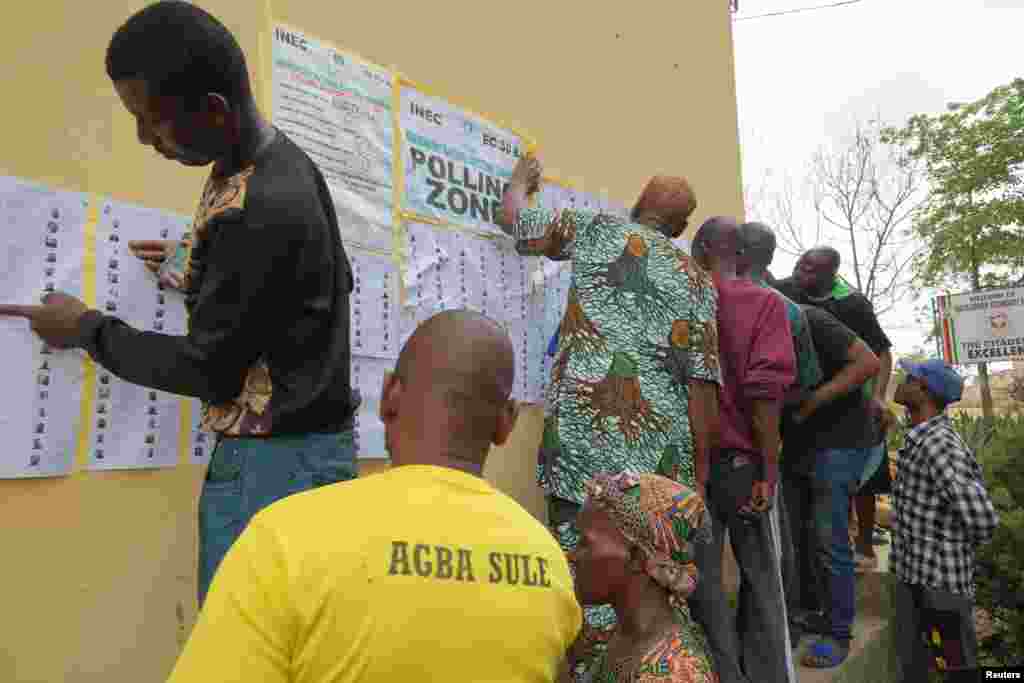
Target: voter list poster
455, 164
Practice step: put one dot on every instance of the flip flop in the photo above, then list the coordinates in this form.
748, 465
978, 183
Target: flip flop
827, 653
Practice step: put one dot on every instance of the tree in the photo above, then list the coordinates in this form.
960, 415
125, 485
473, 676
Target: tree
970, 221
786, 209
860, 195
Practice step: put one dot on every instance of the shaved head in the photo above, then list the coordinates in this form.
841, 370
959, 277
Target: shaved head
455, 376
717, 241
665, 204
758, 242
815, 271
829, 253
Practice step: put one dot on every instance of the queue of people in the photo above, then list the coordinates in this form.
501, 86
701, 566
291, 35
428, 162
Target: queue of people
693, 398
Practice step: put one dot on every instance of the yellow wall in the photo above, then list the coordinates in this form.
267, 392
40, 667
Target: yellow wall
97, 578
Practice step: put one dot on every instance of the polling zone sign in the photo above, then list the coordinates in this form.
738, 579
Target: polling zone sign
455, 164
981, 327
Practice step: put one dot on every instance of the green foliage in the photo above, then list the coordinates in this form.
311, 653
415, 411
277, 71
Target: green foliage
970, 222
999, 447
1001, 562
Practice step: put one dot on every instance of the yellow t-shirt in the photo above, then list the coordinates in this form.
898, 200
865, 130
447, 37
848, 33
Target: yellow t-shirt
419, 573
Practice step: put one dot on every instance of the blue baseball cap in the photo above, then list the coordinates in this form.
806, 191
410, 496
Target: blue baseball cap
942, 380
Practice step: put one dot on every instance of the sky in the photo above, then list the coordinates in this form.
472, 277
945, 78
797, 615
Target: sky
803, 79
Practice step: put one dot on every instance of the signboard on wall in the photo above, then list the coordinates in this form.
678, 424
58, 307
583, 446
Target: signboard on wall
981, 327
337, 108
455, 164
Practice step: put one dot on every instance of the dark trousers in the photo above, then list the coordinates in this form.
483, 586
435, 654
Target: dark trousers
802, 573
761, 638
930, 624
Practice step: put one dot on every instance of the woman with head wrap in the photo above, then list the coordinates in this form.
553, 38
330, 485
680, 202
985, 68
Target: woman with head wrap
635, 552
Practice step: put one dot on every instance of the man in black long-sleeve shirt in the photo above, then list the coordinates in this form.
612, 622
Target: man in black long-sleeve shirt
266, 281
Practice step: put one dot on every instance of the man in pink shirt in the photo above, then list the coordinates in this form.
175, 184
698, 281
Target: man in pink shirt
758, 367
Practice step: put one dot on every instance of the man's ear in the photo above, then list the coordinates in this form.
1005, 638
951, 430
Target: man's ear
390, 397
507, 417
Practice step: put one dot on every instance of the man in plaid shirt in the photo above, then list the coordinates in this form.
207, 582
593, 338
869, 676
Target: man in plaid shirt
942, 513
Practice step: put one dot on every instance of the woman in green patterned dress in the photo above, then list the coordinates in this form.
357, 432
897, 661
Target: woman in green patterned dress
636, 553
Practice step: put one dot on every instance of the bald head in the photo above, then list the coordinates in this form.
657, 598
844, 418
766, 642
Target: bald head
816, 270
451, 387
828, 254
717, 242
665, 204
758, 242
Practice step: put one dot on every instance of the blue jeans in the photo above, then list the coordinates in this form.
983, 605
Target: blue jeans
247, 474
836, 480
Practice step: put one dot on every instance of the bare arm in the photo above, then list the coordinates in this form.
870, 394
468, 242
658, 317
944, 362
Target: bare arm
705, 427
766, 417
884, 374
525, 180
770, 369
861, 365
515, 200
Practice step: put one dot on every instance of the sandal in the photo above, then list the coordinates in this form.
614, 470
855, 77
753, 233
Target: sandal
826, 654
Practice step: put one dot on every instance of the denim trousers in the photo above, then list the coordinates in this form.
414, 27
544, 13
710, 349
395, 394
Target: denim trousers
248, 474
837, 477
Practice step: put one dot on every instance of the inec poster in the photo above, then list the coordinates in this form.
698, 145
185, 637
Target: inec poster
455, 164
338, 108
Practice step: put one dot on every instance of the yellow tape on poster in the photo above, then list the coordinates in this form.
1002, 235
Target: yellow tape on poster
88, 366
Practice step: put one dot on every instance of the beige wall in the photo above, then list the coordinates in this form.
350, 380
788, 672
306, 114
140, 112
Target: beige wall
98, 569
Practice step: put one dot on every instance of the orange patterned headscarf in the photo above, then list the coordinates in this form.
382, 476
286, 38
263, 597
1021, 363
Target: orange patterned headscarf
669, 197
660, 517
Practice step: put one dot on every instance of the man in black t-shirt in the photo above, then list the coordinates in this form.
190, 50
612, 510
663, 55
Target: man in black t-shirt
266, 280
816, 281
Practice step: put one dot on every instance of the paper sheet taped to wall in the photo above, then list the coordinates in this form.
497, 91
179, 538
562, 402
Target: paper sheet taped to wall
448, 269
133, 427
455, 164
557, 281
40, 412
368, 378
373, 307
337, 107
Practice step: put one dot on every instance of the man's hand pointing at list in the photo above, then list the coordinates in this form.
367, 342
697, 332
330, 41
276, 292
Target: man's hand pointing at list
56, 320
